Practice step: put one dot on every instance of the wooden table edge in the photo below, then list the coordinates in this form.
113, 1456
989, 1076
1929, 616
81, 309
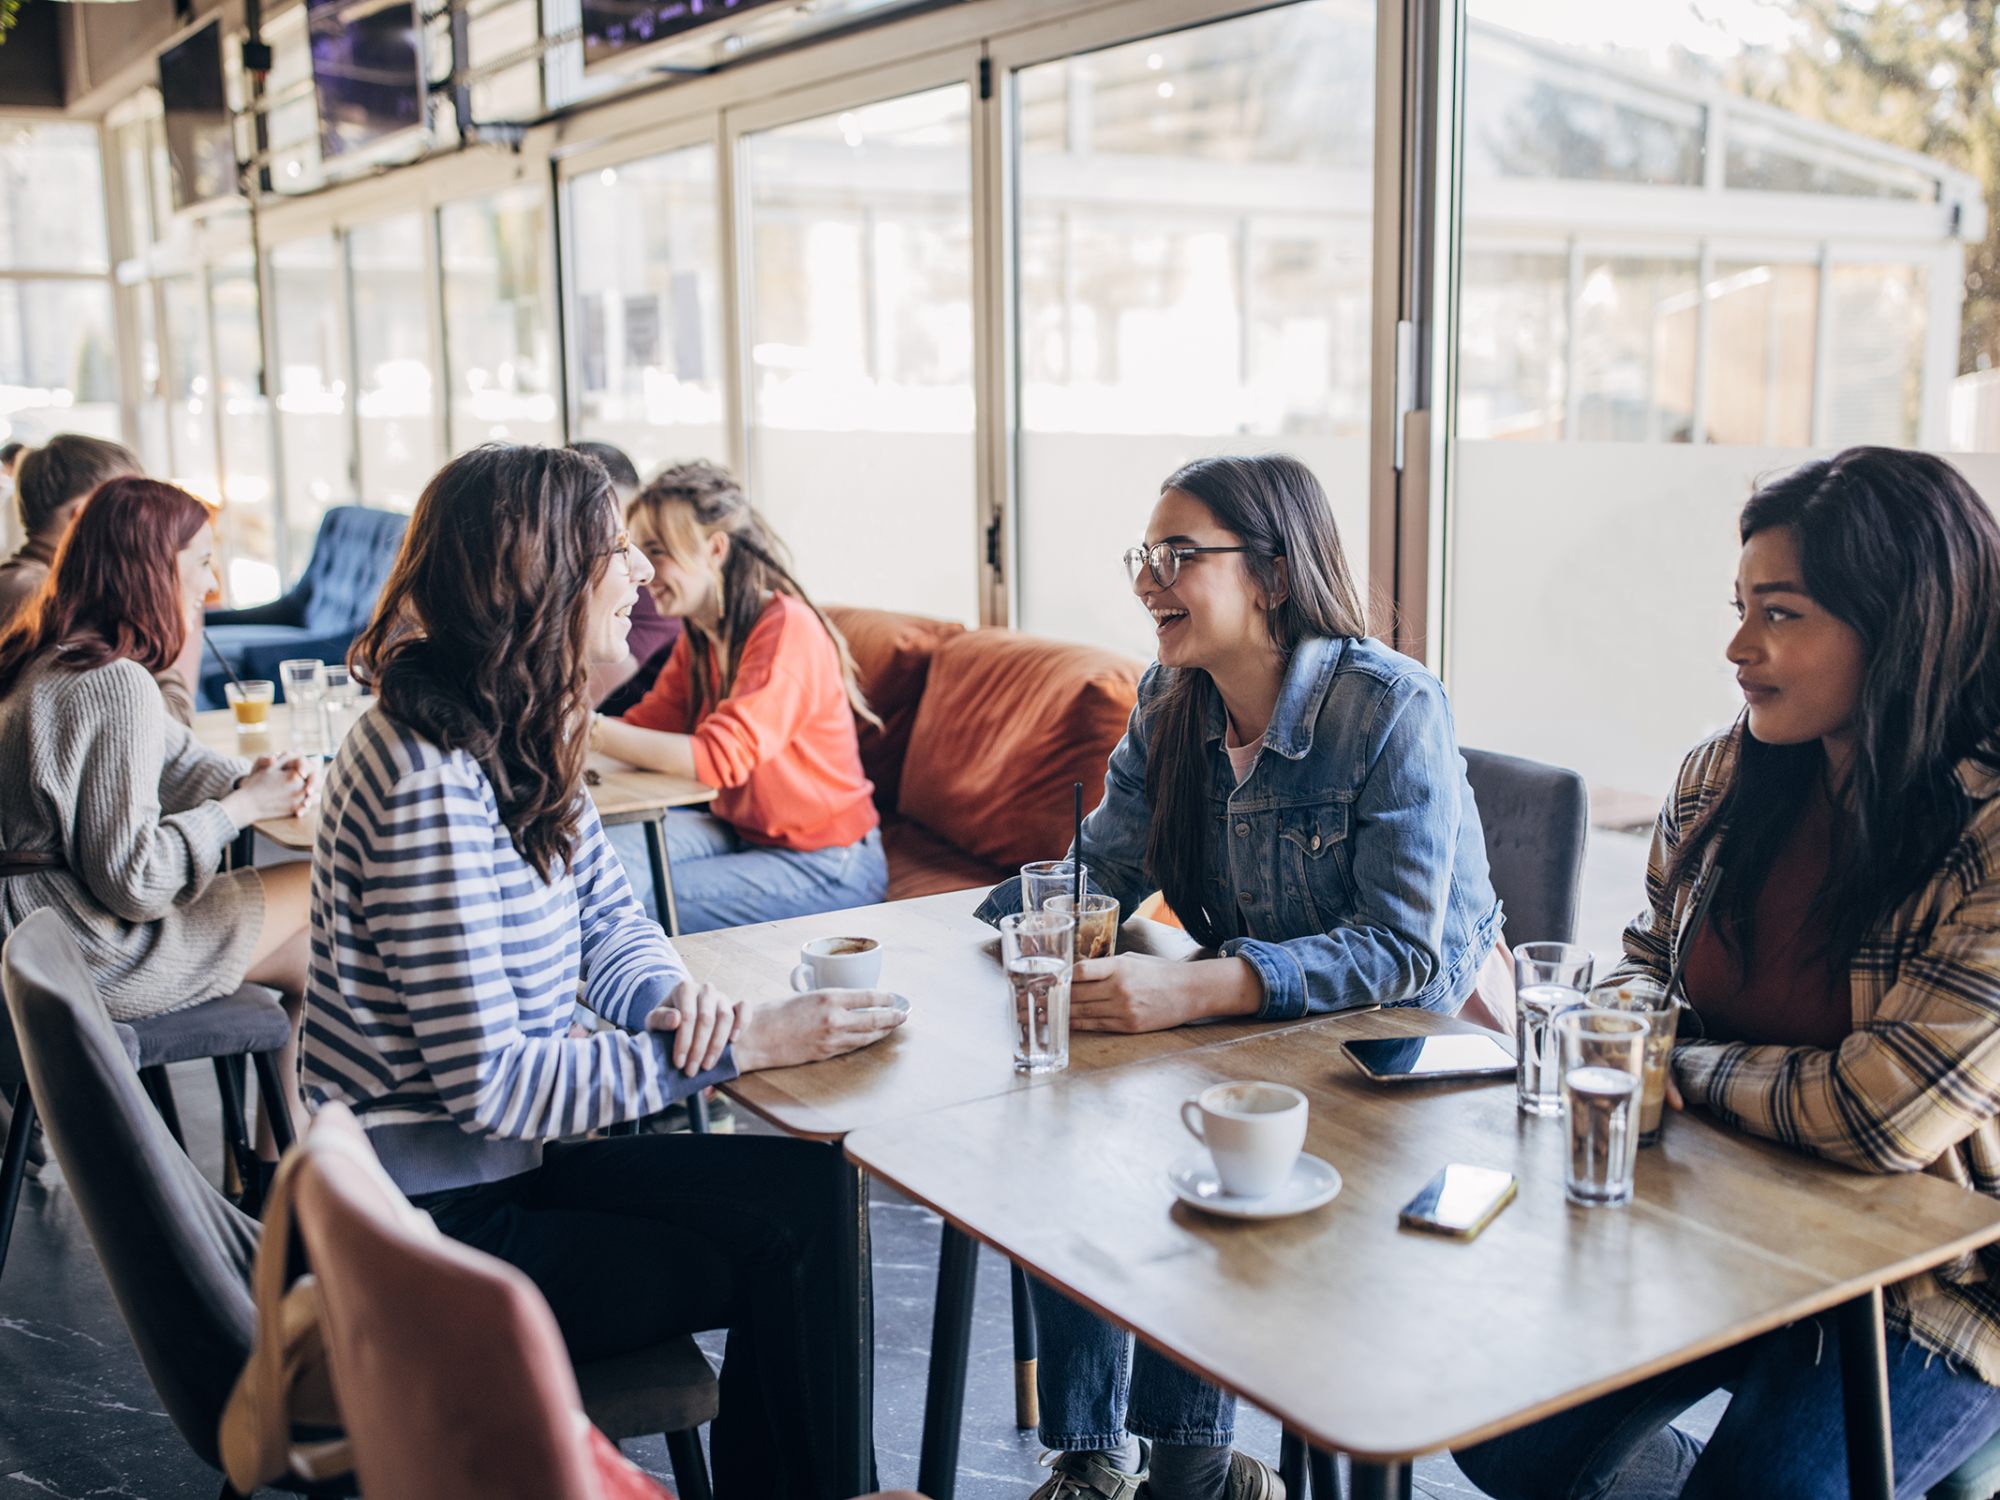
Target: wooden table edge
1824, 1300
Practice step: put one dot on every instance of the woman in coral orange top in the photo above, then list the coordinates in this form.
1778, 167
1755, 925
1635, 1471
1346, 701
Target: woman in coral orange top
759, 700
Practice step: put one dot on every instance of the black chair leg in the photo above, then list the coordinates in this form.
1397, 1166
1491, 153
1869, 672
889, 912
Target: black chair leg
1027, 1398
277, 1103
235, 1135
14, 1165
1292, 1463
698, 1112
690, 1468
1325, 1475
161, 1090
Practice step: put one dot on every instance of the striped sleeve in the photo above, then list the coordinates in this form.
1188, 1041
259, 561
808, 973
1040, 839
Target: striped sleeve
629, 967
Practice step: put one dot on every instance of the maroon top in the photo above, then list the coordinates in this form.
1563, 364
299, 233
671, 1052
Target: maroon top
650, 629
1788, 998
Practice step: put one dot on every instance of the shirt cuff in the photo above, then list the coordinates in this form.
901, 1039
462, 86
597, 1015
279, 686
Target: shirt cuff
1284, 980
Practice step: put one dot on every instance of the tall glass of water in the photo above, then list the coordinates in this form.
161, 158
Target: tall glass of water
304, 681
1037, 947
340, 690
1603, 1083
1549, 978
1045, 878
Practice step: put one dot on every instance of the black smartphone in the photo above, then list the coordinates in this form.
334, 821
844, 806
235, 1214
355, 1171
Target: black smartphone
1460, 1201
1428, 1059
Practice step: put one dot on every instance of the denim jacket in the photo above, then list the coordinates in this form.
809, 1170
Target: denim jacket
1352, 852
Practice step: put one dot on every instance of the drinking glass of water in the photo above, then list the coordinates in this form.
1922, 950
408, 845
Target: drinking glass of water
1036, 947
304, 680
1603, 1082
340, 690
1549, 978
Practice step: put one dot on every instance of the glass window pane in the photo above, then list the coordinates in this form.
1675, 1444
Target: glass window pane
1635, 350
646, 307
153, 448
51, 197
1194, 279
315, 432
1513, 331
392, 360
248, 525
58, 359
861, 350
1876, 360
1763, 328
498, 349
190, 388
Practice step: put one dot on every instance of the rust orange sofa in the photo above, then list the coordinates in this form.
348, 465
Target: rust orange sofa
983, 731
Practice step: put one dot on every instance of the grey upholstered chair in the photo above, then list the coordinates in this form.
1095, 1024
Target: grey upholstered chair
179, 1256
1536, 818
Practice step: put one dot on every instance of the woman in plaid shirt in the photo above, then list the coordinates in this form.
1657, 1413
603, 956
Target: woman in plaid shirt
1845, 985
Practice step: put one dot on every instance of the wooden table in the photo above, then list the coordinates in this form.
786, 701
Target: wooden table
956, 1046
623, 794
1386, 1343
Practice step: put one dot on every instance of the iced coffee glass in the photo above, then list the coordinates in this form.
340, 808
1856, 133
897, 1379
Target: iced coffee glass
1647, 999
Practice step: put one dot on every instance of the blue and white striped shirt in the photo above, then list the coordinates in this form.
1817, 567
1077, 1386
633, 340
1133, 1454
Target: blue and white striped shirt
444, 969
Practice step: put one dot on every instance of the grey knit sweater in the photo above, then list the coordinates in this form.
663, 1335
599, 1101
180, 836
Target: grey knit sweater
92, 767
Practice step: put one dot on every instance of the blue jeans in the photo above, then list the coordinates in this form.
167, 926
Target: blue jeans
1095, 1388
1783, 1434
720, 880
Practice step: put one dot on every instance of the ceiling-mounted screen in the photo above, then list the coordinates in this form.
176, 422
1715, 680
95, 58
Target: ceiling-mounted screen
614, 26
201, 141
368, 71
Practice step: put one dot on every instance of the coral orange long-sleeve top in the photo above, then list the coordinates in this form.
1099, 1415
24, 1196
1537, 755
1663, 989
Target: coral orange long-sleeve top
781, 747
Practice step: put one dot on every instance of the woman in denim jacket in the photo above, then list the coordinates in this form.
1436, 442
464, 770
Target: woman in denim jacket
1295, 791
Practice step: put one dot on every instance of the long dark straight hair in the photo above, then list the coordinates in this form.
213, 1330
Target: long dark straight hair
684, 506
1275, 507
478, 641
114, 589
1899, 548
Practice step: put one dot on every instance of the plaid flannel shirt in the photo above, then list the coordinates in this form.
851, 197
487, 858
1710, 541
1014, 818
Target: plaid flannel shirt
1914, 1088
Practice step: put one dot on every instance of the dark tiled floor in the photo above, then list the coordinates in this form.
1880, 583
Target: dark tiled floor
78, 1418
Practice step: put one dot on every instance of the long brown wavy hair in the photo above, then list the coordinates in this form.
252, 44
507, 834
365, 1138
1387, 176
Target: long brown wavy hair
114, 590
478, 641
684, 506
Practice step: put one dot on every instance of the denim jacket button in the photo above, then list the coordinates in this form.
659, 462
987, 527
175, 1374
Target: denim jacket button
1247, 899
1315, 842
1243, 830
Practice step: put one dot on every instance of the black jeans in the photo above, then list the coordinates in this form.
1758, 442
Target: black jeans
636, 1239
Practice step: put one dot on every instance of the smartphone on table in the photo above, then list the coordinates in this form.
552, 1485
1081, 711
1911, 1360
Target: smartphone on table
1431, 1059
1460, 1201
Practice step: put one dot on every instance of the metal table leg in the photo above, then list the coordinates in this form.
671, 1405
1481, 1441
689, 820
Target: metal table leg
1389, 1481
1325, 1475
951, 1340
855, 1409
1292, 1463
1864, 1389
663, 875
1027, 1399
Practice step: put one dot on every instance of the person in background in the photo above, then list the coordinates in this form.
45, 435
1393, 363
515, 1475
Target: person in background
1295, 790
51, 484
463, 898
758, 698
112, 812
617, 687
1844, 985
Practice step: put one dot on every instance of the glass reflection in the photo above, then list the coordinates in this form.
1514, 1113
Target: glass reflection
498, 350
387, 279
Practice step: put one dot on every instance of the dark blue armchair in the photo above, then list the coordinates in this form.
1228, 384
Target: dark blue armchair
325, 610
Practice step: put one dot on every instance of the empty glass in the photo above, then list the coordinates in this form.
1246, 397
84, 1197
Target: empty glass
1037, 948
1045, 878
1641, 997
305, 685
1603, 1067
1549, 978
339, 691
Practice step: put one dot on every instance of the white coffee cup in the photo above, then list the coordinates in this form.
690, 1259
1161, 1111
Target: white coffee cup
1254, 1131
838, 963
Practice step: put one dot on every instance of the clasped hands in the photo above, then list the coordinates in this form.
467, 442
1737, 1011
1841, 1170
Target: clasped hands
774, 1034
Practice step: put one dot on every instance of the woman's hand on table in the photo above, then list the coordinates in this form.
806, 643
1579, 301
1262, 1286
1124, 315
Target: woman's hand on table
703, 1019
281, 786
1133, 992
813, 1027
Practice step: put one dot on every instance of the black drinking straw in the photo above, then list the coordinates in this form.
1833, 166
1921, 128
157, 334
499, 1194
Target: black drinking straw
1076, 854
210, 641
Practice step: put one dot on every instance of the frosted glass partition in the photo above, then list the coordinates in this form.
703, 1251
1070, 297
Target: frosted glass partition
646, 307
315, 425
1194, 261
393, 396
499, 347
190, 388
248, 527
861, 382
51, 197
58, 359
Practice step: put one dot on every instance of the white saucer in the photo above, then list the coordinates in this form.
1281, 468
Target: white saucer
1195, 1183
896, 1002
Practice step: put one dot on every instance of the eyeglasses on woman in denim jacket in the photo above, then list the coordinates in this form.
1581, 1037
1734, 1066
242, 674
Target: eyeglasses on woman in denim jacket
1352, 852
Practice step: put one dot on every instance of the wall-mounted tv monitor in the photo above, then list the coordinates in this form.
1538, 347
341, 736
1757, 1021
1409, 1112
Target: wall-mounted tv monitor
368, 71
201, 141
614, 26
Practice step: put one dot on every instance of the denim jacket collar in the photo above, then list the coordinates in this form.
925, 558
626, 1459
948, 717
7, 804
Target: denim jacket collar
1308, 675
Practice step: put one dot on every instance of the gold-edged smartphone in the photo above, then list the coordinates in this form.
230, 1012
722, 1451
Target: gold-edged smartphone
1460, 1201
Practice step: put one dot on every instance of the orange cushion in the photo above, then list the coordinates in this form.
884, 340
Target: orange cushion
892, 657
922, 864
1007, 722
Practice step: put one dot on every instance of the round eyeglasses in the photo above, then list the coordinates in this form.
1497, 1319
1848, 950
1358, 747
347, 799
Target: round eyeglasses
1163, 561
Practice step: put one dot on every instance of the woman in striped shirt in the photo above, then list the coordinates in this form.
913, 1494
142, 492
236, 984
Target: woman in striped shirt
463, 895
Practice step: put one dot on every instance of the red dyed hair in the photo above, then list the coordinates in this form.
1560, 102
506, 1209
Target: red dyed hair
114, 590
